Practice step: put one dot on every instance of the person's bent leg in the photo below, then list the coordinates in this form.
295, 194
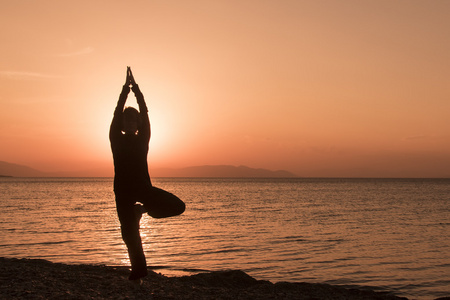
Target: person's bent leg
129, 224
162, 204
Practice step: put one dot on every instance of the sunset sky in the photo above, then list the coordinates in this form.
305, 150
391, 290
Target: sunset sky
318, 88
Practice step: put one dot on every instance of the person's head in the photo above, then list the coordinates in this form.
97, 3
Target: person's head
130, 120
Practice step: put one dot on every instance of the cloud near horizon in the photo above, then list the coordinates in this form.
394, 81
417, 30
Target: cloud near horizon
84, 51
25, 75
422, 137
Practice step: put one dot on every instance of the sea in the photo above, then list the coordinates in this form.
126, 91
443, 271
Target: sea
384, 234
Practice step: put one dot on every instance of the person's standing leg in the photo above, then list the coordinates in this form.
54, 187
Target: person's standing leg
129, 224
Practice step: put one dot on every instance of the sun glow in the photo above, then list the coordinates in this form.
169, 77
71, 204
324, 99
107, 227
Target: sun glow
162, 135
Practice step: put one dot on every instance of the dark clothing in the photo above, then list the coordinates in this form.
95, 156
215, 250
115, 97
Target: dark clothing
132, 182
130, 151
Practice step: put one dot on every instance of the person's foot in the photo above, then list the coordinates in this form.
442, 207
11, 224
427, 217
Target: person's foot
138, 274
137, 283
138, 211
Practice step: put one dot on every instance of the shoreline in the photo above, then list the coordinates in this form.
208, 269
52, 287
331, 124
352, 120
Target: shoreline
42, 279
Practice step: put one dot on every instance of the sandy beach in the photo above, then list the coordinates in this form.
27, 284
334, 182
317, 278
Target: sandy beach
41, 279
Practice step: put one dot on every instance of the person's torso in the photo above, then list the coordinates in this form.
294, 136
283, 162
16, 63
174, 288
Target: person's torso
130, 162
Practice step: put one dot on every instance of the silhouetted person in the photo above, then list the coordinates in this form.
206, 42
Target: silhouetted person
129, 136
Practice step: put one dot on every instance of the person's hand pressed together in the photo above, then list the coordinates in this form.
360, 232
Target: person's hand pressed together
134, 85
126, 87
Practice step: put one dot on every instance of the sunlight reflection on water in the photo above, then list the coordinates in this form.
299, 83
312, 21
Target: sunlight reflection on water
392, 234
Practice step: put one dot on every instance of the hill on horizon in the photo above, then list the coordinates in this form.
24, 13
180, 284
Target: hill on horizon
220, 171
16, 170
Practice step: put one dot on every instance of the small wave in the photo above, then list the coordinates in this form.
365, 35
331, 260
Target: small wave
172, 271
42, 243
227, 250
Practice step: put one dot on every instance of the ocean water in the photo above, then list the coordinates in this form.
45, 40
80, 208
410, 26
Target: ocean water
386, 234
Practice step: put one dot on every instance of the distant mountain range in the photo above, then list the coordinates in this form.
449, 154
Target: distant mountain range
15, 170
219, 171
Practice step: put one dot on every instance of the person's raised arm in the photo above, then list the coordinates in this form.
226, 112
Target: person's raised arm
122, 99
116, 123
144, 129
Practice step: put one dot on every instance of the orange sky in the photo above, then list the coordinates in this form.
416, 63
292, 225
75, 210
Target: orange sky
319, 88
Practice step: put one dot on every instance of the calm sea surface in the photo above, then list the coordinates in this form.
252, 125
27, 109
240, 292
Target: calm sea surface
389, 234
